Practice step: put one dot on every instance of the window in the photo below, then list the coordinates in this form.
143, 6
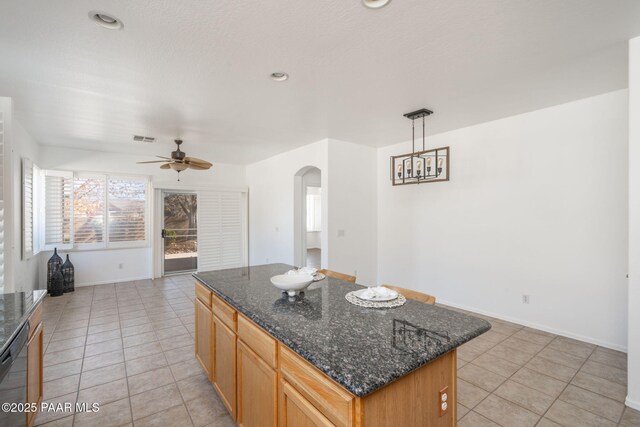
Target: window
314, 209
93, 211
88, 210
127, 208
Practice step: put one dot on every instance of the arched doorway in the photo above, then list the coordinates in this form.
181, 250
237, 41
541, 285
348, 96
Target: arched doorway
308, 217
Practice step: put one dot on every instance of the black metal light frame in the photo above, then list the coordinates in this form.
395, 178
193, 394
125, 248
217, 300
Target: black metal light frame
421, 166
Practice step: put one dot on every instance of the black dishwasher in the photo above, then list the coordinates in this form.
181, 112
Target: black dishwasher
13, 380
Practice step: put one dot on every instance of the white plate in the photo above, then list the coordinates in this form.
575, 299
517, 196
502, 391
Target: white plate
376, 298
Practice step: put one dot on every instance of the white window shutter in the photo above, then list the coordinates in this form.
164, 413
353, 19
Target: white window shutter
220, 241
58, 203
127, 210
27, 208
1, 201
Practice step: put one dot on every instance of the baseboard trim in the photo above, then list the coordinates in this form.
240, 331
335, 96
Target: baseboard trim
536, 326
632, 404
106, 282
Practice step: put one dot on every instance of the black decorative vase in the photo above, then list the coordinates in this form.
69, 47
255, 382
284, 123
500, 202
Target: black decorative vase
54, 264
68, 274
57, 283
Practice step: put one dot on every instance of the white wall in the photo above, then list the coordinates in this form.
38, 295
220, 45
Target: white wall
536, 205
6, 278
633, 356
20, 274
352, 232
120, 265
348, 205
271, 203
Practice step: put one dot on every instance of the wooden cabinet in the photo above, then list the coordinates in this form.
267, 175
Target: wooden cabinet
204, 342
257, 390
296, 411
35, 349
335, 402
224, 364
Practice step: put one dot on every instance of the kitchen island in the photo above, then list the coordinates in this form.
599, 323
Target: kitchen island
316, 359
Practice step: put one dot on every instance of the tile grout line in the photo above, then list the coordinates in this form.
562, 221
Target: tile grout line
565, 387
541, 373
509, 377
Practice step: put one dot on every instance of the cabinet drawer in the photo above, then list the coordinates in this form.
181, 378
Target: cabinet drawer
333, 401
35, 319
297, 411
258, 340
203, 294
224, 312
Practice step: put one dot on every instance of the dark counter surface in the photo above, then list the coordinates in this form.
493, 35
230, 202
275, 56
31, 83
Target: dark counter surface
362, 349
15, 310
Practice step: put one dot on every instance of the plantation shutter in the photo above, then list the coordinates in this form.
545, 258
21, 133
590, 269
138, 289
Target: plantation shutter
127, 209
1, 201
220, 231
58, 201
27, 208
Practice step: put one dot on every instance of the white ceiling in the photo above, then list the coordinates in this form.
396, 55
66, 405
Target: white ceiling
199, 69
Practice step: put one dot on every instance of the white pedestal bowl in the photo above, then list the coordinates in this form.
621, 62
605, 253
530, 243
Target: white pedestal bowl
292, 284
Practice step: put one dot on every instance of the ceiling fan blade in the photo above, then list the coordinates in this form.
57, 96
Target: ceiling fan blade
198, 167
199, 162
155, 161
163, 157
166, 166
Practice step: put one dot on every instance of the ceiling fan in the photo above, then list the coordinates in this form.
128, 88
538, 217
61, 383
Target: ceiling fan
179, 161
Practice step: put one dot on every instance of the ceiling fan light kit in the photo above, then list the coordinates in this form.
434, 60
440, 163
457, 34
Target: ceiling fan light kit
419, 167
179, 161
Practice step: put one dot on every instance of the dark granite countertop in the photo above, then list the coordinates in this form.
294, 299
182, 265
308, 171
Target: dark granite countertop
362, 349
15, 309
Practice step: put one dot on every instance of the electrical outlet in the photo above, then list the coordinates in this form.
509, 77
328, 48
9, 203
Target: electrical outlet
340, 233
120, 266
525, 299
443, 400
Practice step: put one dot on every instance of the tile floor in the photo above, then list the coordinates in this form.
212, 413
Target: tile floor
129, 346
518, 376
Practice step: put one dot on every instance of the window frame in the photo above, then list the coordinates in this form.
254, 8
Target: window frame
105, 244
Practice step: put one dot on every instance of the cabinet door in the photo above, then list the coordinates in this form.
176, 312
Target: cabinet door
257, 390
298, 411
204, 343
224, 364
34, 371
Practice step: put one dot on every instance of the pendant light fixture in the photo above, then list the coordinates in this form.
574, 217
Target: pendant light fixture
421, 166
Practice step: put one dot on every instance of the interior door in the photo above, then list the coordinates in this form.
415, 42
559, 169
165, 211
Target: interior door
180, 231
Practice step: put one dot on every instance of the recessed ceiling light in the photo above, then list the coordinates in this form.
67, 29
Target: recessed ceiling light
105, 20
375, 4
279, 77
